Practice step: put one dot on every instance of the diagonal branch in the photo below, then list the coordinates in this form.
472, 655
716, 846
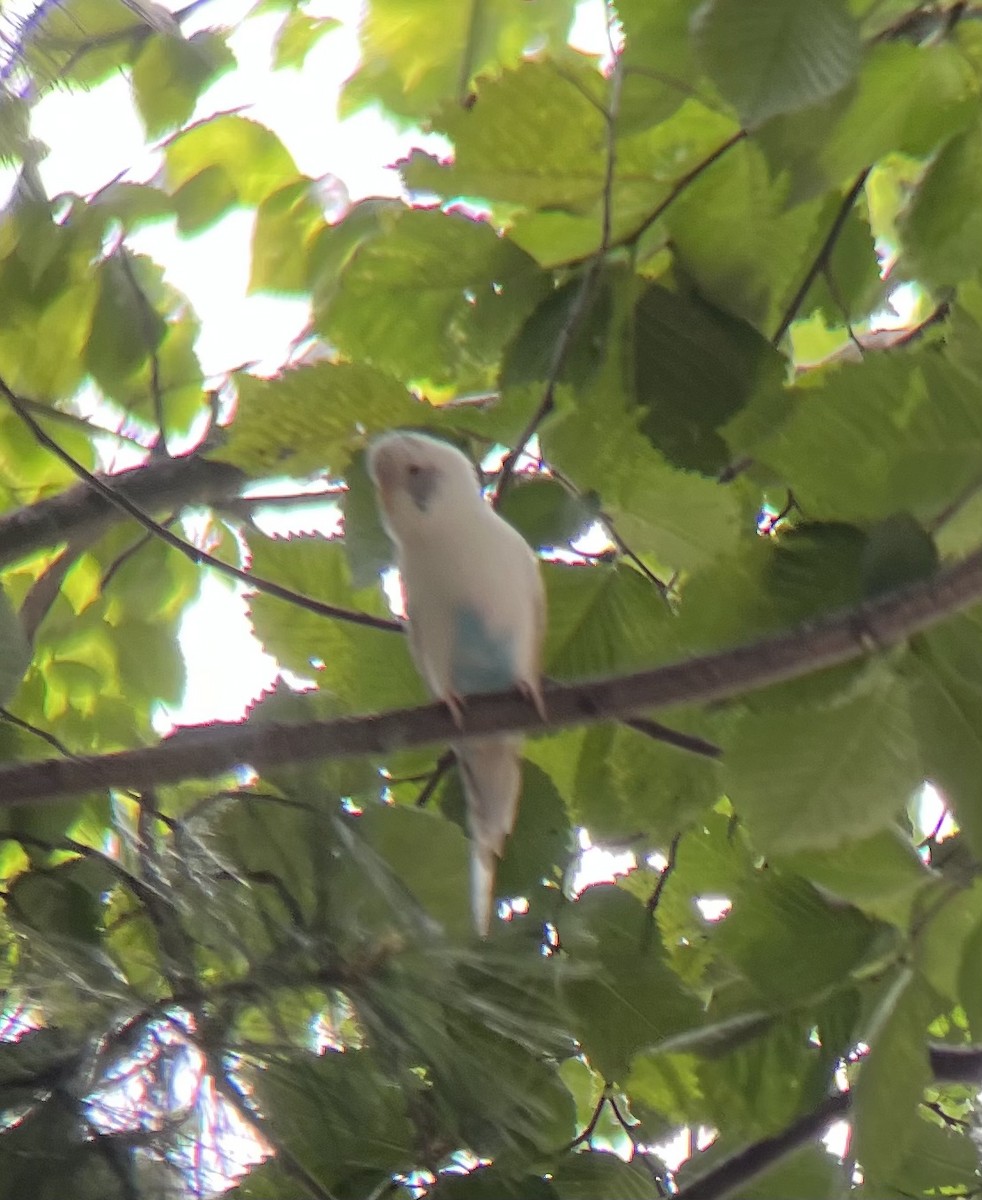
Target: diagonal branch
739, 1169
821, 259
949, 1064
681, 184
210, 750
84, 511
197, 556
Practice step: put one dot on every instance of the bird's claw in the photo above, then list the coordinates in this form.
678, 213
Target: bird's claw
532, 694
456, 703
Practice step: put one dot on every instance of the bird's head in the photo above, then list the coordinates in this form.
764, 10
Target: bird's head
419, 480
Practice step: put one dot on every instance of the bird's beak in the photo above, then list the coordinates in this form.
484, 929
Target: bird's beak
383, 475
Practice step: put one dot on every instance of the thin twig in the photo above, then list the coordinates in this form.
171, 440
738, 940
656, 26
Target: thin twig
734, 469
20, 723
657, 1175
666, 873
45, 589
681, 185
586, 1133
954, 508
443, 765
674, 737
124, 556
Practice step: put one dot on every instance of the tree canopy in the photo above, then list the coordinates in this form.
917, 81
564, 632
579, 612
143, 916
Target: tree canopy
648, 290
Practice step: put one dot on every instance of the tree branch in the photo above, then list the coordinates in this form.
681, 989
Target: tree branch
84, 510
949, 1064
740, 1168
210, 750
195, 554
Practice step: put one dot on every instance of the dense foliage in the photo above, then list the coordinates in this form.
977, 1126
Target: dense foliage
660, 274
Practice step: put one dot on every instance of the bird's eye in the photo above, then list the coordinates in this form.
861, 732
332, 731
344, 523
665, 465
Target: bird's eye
414, 469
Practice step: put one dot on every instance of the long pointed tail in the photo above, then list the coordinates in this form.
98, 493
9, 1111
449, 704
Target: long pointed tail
491, 771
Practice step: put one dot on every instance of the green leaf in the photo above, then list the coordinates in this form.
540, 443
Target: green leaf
602, 619
657, 57
171, 72
898, 433
15, 652
228, 160
844, 772
367, 547
936, 1157
149, 662
771, 58
133, 204
56, 906
907, 99
970, 980
880, 874
429, 856
334, 1111
531, 140
892, 1078
312, 418
680, 518
898, 551
737, 241
83, 41
811, 1172
410, 72
944, 669
286, 224
585, 1176
15, 128
942, 229
758, 1088
547, 514
695, 367
531, 356
435, 299
364, 668
636, 1000
297, 36
629, 781
666, 1083
949, 929
789, 942
125, 328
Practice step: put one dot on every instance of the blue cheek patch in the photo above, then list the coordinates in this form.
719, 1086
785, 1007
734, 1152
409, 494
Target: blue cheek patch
481, 662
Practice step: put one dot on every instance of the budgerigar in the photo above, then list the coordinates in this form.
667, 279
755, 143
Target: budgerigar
476, 610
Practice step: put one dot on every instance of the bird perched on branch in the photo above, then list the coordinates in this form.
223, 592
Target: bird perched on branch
476, 610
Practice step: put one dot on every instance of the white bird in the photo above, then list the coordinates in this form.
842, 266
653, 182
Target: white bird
476, 619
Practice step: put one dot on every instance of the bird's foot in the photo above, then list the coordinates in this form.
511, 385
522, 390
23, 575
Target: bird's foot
533, 695
456, 703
